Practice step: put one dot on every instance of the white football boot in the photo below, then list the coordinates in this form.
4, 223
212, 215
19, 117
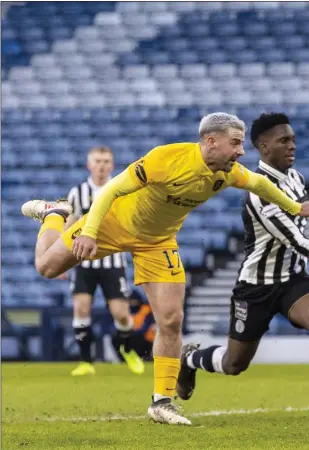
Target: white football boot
39, 209
163, 411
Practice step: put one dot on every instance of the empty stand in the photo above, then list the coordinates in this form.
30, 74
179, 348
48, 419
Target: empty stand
134, 75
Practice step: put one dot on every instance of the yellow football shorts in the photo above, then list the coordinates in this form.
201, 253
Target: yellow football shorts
160, 263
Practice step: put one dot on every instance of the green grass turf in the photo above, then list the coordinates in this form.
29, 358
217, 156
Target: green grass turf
43, 407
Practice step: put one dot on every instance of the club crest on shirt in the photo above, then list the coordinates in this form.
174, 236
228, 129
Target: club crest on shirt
76, 233
140, 171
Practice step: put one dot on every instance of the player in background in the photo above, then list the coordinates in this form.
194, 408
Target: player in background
108, 273
272, 278
141, 211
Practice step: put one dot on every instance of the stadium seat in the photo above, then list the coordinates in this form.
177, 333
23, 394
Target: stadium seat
280, 69
135, 75
255, 70
222, 70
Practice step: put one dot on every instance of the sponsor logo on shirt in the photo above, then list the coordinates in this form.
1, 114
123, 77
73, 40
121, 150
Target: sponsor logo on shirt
186, 202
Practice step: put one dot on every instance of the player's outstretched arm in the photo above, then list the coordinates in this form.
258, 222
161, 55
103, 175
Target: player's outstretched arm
242, 178
84, 246
264, 188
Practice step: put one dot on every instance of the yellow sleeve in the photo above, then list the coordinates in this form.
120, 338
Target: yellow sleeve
151, 168
147, 170
264, 188
121, 185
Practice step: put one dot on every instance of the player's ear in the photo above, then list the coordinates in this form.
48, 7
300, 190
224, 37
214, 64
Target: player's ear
211, 141
263, 148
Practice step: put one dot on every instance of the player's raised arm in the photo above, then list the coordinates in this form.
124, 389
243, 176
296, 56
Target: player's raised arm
149, 169
264, 188
122, 184
85, 245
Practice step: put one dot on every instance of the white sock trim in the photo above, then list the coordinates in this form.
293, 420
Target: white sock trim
129, 326
81, 322
217, 358
190, 360
157, 397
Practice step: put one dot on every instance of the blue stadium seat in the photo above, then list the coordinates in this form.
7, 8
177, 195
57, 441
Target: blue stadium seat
142, 82
73, 116
263, 43
228, 29
43, 116
255, 29
133, 115
238, 43
283, 29
271, 56
49, 131
301, 54
222, 70
192, 256
291, 42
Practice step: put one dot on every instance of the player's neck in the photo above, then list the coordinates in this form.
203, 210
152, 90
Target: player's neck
210, 163
99, 181
274, 166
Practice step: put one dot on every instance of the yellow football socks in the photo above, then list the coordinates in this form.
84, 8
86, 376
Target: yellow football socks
52, 222
166, 372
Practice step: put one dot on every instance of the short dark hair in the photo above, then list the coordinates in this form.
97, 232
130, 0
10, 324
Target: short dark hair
266, 122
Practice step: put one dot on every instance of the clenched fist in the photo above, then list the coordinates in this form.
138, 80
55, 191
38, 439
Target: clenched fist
84, 247
304, 212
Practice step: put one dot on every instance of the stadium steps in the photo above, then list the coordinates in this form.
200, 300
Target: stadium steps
209, 304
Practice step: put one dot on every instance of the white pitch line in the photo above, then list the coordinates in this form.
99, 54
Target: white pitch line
144, 417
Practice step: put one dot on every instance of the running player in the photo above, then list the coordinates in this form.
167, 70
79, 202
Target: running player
272, 278
108, 273
140, 211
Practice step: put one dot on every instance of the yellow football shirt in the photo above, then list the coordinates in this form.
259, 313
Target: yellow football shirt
156, 193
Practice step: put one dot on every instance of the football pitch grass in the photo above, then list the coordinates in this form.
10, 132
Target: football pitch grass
43, 407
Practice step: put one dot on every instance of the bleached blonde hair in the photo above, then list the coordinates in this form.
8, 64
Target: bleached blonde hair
219, 121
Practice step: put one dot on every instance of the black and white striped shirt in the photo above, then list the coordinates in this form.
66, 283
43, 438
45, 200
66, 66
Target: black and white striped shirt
81, 198
275, 244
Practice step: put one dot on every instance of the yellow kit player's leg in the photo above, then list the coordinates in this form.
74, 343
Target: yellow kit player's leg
52, 258
160, 272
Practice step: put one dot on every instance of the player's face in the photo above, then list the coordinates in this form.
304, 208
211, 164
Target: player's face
279, 147
229, 147
100, 165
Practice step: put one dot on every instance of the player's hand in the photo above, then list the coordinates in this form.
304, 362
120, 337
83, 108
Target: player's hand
304, 212
84, 247
63, 276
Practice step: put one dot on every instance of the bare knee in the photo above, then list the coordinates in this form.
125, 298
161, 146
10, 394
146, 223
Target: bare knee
46, 270
120, 310
82, 305
171, 322
235, 367
54, 260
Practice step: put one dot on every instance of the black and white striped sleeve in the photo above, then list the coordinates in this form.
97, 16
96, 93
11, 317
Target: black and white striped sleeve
74, 199
279, 224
